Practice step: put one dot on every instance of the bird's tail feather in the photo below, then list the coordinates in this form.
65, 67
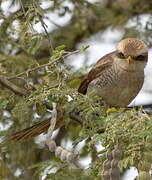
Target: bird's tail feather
30, 132
36, 129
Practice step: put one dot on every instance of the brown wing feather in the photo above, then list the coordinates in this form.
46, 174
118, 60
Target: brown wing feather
103, 63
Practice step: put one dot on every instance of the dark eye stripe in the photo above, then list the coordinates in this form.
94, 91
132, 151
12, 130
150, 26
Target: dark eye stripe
139, 58
121, 55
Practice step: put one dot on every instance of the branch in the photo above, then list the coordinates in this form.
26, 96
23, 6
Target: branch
42, 66
12, 87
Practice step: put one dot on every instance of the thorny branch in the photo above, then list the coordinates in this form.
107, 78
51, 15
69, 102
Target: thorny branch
42, 66
5, 80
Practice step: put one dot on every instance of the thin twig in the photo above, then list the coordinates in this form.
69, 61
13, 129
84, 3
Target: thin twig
12, 87
27, 83
49, 38
44, 27
54, 23
23, 9
42, 66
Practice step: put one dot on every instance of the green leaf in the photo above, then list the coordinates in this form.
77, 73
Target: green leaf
84, 48
79, 139
34, 45
59, 48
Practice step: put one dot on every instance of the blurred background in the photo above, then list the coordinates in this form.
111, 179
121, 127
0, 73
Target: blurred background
29, 28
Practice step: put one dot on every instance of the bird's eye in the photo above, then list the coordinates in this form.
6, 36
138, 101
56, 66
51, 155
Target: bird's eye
121, 55
140, 58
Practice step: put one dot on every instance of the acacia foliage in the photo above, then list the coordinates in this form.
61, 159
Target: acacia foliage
55, 83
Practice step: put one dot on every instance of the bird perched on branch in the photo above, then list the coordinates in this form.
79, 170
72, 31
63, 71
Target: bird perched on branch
117, 78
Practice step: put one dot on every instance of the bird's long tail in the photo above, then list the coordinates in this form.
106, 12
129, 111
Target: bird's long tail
30, 132
35, 130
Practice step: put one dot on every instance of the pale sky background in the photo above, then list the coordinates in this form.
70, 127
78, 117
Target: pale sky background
100, 44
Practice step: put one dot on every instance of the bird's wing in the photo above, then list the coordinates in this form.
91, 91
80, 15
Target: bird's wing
102, 65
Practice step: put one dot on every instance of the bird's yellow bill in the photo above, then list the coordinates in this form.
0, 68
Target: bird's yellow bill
130, 60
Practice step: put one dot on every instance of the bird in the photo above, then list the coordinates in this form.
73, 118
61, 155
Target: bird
116, 78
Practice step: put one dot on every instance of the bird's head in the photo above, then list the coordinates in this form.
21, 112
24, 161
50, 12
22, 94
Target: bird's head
132, 52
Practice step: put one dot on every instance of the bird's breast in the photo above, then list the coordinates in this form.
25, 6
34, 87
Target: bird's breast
117, 87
